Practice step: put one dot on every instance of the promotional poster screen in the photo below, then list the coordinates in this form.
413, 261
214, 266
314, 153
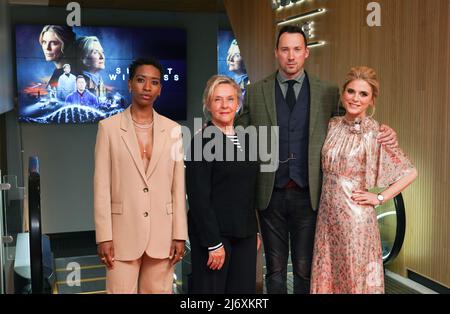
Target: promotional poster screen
76, 75
230, 61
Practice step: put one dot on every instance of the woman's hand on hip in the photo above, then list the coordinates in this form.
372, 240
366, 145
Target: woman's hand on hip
365, 198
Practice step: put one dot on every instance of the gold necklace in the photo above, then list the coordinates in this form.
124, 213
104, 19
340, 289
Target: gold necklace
142, 125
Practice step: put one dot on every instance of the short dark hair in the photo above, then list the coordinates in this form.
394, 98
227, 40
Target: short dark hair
144, 61
291, 29
80, 77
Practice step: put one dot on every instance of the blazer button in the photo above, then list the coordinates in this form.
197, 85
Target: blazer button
145, 214
145, 190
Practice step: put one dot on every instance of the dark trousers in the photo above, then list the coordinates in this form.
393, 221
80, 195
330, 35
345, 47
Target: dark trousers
289, 217
238, 274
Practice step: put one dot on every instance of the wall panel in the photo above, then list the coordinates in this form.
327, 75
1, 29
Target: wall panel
411, 54
252, 22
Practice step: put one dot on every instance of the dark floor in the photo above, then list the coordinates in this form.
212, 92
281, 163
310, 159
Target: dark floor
73, 244
80, 250
392, 286
93, 275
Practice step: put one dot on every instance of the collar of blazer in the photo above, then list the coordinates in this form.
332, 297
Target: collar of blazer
130, 139
269, 98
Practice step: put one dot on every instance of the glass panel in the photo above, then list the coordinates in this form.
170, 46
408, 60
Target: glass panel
387, 223
2, 259
186, 269
13, 213
13, 200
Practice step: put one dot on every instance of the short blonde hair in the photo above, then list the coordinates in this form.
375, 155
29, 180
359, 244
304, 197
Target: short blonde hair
211, 85
366, 74
232, 51
85, 45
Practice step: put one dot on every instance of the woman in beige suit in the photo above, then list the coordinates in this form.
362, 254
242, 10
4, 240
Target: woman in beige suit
139, 194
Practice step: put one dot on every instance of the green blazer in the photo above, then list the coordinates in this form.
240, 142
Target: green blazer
260, 110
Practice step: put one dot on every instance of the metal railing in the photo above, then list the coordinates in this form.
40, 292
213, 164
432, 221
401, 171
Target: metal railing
392, 231
34, 211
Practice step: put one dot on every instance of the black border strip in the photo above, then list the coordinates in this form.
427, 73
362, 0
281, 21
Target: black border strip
427, 282
400, 229
34, 204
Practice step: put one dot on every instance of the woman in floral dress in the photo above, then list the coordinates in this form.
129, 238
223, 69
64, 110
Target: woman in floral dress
347, 249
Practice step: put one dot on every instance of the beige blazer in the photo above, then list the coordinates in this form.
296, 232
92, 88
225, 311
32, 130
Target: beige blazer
139, 211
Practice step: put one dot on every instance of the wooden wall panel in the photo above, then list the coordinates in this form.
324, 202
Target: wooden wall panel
252, 22
411, 53
253, 25
153, 5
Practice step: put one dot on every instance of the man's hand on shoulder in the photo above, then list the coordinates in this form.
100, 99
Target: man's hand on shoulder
387, 136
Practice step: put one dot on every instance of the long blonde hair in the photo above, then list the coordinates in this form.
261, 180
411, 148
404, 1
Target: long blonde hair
64, 34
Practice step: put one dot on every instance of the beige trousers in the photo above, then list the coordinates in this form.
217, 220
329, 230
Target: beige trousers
144, 275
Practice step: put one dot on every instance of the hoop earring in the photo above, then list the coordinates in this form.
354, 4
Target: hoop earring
373, 111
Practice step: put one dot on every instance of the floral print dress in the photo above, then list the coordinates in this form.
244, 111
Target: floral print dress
347, 248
